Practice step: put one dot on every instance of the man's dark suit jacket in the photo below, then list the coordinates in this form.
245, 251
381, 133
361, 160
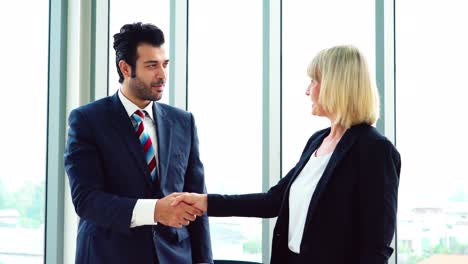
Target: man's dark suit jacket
107, 170
352, 213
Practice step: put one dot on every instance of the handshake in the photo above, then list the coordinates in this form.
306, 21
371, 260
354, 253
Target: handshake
179, 209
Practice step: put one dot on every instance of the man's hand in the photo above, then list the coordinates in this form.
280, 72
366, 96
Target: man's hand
196, 200
175, 216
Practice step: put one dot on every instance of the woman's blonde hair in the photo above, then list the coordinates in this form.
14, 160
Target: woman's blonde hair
346, 89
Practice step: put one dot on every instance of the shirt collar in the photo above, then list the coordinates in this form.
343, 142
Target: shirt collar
130, 107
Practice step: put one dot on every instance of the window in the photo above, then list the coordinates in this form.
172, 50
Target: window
431, 111
309, 27
146, 11
23, 137
225, 95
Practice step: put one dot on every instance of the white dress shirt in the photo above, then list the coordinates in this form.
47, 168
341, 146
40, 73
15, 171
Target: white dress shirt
143, 212
300, 195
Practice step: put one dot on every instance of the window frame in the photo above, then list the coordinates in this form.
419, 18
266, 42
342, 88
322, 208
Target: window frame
94, 43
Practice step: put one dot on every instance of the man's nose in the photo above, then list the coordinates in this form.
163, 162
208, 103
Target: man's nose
161, 73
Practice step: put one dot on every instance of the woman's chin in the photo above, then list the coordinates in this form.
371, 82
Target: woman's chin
315, 111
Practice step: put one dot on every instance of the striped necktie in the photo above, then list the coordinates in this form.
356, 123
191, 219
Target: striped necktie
146, 142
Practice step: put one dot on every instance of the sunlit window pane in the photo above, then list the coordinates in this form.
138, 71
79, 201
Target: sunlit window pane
225, 94
308, 27
431, 57
24, 47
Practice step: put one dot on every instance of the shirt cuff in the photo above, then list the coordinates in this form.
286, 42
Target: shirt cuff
143, 213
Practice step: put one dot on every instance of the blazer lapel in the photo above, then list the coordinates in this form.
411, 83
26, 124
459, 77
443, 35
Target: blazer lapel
339, 153
313, 146
123, 125
284, 211
163, 132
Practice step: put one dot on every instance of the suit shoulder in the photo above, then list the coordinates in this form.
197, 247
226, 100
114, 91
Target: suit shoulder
171, 109
96, 106
371, 138
369, 133
174, 112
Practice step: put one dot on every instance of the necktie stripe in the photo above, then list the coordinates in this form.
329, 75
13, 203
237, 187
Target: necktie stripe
149, 155
140, 129
152, 164
143, 138
152, 167
146, 142
140, 114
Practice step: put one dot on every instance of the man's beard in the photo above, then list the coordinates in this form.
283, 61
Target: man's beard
145, 92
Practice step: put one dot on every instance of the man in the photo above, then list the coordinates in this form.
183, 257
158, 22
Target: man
124, 154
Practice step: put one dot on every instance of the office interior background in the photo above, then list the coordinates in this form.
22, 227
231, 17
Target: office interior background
240, 67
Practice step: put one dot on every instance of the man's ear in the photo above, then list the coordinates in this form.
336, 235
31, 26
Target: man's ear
125, 69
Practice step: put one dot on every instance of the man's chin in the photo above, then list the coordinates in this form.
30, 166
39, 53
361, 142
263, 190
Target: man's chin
156, 97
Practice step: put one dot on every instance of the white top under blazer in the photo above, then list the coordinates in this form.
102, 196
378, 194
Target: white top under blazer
300, 195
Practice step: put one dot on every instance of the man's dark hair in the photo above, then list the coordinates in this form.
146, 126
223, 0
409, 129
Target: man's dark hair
128, 39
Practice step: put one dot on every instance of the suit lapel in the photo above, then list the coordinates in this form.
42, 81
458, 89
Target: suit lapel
339, 153
313, 146
163, 132
123, 125
284, 211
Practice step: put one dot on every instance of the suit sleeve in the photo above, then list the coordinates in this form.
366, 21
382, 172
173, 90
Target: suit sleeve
87, 183
195, 182
263, 205
379, 179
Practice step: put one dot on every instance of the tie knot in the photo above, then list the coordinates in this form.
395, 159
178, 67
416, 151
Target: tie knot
138, 115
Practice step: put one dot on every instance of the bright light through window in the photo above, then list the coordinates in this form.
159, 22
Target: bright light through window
225, 95
431, 55
308, 27
23, 138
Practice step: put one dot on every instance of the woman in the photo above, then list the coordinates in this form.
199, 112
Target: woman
339, 203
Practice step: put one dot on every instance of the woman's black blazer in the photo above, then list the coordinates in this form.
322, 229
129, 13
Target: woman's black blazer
352, 213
